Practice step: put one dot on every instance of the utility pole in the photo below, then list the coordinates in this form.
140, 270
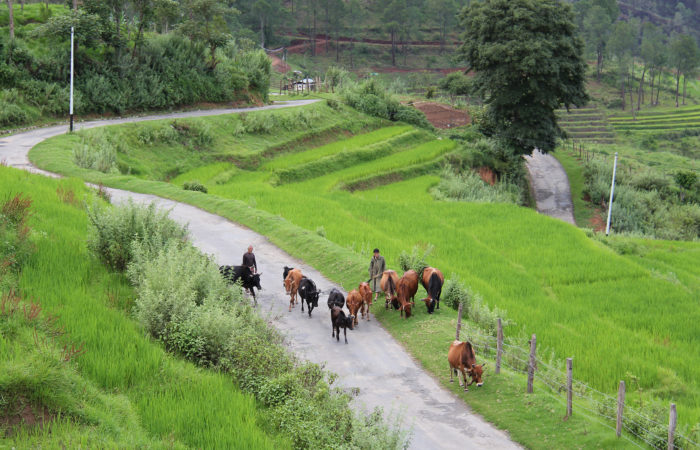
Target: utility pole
72, 31
612, 192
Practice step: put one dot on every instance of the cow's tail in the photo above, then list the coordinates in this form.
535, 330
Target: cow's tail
392, 286
435, 287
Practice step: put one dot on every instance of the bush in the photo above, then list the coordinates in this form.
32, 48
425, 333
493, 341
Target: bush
194, 186
333, 104
415, 260
98, 151
469, 187
112, 231
371, 98
12, 115
473, 306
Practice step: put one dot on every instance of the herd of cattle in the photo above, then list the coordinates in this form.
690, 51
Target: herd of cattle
399, 293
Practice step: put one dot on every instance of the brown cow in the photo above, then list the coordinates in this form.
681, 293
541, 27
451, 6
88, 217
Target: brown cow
403, 297
291, 285
412, 279
388, 284
432, 281
461, 357
366, 294
354, 303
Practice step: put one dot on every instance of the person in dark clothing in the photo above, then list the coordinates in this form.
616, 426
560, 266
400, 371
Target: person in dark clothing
249, 260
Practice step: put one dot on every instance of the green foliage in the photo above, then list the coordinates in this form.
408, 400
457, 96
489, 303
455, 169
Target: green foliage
112, 231
194, 185
528, 62
456, 83
454, 293
417, 260
98, 152
371, 98
469, 187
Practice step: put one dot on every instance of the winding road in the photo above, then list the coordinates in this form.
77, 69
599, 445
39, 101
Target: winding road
373, 361
551, 186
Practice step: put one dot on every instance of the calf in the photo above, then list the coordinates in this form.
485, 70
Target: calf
354, 302
366, 294
285, 272
248, 279
432, 283
461, 357
403, 291
338, 321
412, 282
335, 298
291, 285
308, 294
388, 285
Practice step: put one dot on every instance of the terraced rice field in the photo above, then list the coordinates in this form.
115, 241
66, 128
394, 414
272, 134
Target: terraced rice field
667, 119
586, 124
619, 315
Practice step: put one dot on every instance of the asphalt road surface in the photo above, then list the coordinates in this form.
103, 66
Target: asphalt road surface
372, 361
551, 186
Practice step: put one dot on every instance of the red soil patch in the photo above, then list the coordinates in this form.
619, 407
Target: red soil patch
487, 175
23, 412
442, 116
279, 65
597, 221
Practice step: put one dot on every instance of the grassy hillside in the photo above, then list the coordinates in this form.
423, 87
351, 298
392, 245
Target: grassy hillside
582, 298
124, 390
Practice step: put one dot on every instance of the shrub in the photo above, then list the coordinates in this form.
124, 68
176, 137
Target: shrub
371, 98
13, 115
98, 151
469, 187
112, 231
416, 260
473, 307
333, 104
194, 185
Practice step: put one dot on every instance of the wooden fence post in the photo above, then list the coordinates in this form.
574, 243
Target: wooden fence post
671, 426
499, 346
569, 386
620, 407
459, 320
531, 365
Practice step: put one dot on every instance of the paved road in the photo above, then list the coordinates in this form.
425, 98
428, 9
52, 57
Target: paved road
551, 186
373, 361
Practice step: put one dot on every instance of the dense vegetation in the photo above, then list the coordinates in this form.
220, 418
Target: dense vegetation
550, 278
72, 360
122, 66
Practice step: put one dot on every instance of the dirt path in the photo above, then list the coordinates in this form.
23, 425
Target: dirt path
551, 186
373, 361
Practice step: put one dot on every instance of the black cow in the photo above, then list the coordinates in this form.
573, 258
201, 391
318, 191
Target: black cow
308, 292
335, 298
286, 272
340, 320
248, 279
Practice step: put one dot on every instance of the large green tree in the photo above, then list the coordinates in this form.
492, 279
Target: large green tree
685, 57
205, 21
623, 44
528, 62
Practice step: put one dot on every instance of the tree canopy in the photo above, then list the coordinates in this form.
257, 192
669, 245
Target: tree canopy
528, 62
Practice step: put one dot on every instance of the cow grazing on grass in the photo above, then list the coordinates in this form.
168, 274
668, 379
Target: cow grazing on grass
366, 294
285, 272
412, 283
388, 285
248, 279
354, 302
308, 294
335, 298
403, 297
461, 357
340, 320
432, 283
291, 285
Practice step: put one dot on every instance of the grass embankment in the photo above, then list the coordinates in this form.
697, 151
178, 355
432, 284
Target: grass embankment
662, 119
124, 391
581, 299
583, 211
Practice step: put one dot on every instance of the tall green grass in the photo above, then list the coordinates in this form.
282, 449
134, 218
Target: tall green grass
615, 316
174, 401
